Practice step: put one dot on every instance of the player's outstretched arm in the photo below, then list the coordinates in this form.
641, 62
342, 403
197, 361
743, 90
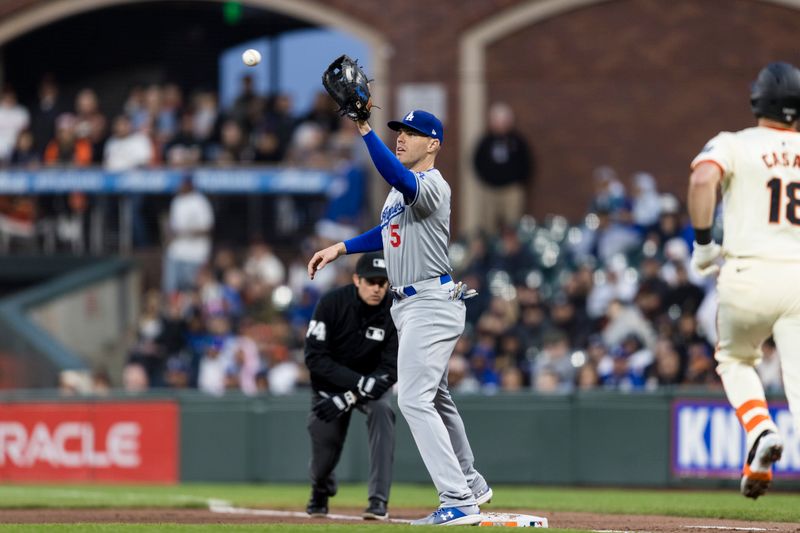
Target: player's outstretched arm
369, 241
387, 164
323, 257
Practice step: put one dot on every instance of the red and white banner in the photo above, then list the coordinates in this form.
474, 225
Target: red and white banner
108, 441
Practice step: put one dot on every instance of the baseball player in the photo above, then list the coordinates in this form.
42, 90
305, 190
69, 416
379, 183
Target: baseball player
351, 354
428, 309
759, 171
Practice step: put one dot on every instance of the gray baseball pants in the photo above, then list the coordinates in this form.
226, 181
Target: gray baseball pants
428, 326
327, 441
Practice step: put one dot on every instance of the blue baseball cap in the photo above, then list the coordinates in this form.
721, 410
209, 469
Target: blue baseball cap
422, 121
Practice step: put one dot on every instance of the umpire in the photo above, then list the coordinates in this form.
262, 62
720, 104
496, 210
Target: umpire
351, 353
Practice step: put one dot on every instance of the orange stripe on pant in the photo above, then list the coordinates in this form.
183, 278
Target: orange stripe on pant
747, 406
756, 420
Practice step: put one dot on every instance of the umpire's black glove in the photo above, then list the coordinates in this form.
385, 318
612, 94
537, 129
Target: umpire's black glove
334, 406
373, 386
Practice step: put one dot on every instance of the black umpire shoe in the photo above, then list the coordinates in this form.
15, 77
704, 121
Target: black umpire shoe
318, 505
376, 510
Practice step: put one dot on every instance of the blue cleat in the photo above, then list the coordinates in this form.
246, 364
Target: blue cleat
451, 516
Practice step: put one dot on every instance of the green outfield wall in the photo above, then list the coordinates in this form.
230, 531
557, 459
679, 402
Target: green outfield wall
667, 439
599, 438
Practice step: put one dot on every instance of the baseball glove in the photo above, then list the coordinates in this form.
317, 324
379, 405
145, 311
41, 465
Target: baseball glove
347, 84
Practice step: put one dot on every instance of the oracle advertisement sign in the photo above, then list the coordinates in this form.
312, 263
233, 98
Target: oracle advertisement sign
106, 442
708, 440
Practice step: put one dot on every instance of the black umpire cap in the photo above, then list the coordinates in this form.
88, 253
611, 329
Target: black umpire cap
371, 265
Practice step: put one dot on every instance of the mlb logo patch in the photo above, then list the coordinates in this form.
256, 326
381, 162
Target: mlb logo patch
375, 334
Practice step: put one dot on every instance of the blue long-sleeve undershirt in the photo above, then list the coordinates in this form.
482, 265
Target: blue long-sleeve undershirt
390, 167
369, 241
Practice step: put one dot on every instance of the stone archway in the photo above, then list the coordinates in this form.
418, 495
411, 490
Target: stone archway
472, 81
43, 13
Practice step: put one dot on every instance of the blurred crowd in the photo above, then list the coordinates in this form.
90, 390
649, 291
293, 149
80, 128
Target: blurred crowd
157, 126
160, 124
607, 304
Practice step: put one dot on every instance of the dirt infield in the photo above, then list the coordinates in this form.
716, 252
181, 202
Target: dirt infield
558, 520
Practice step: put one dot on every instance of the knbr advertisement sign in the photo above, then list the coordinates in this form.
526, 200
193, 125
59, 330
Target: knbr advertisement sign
708, 441
115, 441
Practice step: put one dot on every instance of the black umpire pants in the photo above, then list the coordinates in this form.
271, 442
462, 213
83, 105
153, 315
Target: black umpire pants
327, 441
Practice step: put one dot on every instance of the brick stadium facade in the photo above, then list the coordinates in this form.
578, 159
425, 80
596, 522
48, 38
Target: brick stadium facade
636, 84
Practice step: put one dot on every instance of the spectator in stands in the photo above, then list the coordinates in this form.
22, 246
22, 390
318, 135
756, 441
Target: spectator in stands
233, 146
127, 149
25, 154
13, 119
459, 376
511, 379
91, 124
505, 166
191, 221
178, 374
67, 148
701, 368
47, 109
513, 257
646, 201
74, 383
205, 115
624, 320
148, 349
307, 146
278, 122
612, 237
284, 371
323, 113
669, 220
245, 362
246, 106
213, 369
134, 378
665, 370
184, 149
554, 364
263, 266
609, 192
134, 107
685, 295
168, 114
101, 382
564, 316
587, 377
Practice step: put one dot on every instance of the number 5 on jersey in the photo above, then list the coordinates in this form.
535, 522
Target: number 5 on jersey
394, 236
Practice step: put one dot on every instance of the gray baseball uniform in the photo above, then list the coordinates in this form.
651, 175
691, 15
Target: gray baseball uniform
415, 241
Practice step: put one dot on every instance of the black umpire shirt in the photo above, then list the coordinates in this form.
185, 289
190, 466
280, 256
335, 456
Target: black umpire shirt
347, 339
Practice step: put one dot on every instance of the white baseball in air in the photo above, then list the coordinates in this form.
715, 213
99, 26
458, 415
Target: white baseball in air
251, 57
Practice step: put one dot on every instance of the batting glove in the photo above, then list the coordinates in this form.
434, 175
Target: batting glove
704, 258
462, 292
334, 406
373, 386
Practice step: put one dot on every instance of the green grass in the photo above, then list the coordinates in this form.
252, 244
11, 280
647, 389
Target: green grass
535, 500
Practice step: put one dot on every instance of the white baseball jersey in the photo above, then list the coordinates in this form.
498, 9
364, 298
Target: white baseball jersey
761, 191
416, 235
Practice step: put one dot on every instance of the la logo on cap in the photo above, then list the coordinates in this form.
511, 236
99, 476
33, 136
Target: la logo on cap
410, 116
